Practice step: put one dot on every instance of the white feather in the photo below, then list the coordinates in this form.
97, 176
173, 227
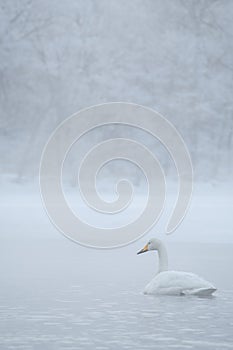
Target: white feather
174, 282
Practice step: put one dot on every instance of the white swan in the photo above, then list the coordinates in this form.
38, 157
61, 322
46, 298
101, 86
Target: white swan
174, 282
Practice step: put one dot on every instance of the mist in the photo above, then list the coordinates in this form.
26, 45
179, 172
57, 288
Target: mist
57, 58
173, 56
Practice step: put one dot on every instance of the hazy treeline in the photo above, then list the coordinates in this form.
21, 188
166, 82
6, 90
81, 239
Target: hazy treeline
174, 56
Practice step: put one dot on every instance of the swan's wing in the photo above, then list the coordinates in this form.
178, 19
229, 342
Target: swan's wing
202, 292
179, 283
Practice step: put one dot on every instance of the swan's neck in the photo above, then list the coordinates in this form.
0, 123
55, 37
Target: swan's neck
163, 259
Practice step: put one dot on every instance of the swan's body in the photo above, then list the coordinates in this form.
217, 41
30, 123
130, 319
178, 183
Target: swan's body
179, 283
174, 282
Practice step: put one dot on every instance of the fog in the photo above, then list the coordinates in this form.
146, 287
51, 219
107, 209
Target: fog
173, 56
60, 57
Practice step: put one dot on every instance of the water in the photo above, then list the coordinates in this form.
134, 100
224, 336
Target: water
110, 317
57, 295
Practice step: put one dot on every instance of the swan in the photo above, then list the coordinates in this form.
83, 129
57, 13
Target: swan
174, 282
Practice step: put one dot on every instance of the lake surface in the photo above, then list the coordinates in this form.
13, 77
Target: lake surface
55, 294
117, 319
90, 299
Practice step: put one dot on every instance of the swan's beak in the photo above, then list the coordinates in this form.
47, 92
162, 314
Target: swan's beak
143, 250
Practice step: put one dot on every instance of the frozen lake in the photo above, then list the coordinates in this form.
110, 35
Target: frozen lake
56, 294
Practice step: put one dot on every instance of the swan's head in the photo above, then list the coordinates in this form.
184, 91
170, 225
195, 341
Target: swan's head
153, 244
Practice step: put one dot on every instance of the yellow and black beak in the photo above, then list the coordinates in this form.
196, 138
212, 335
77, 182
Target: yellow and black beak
143, 250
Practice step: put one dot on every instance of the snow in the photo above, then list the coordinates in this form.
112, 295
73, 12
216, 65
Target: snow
60, 57
174, 57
